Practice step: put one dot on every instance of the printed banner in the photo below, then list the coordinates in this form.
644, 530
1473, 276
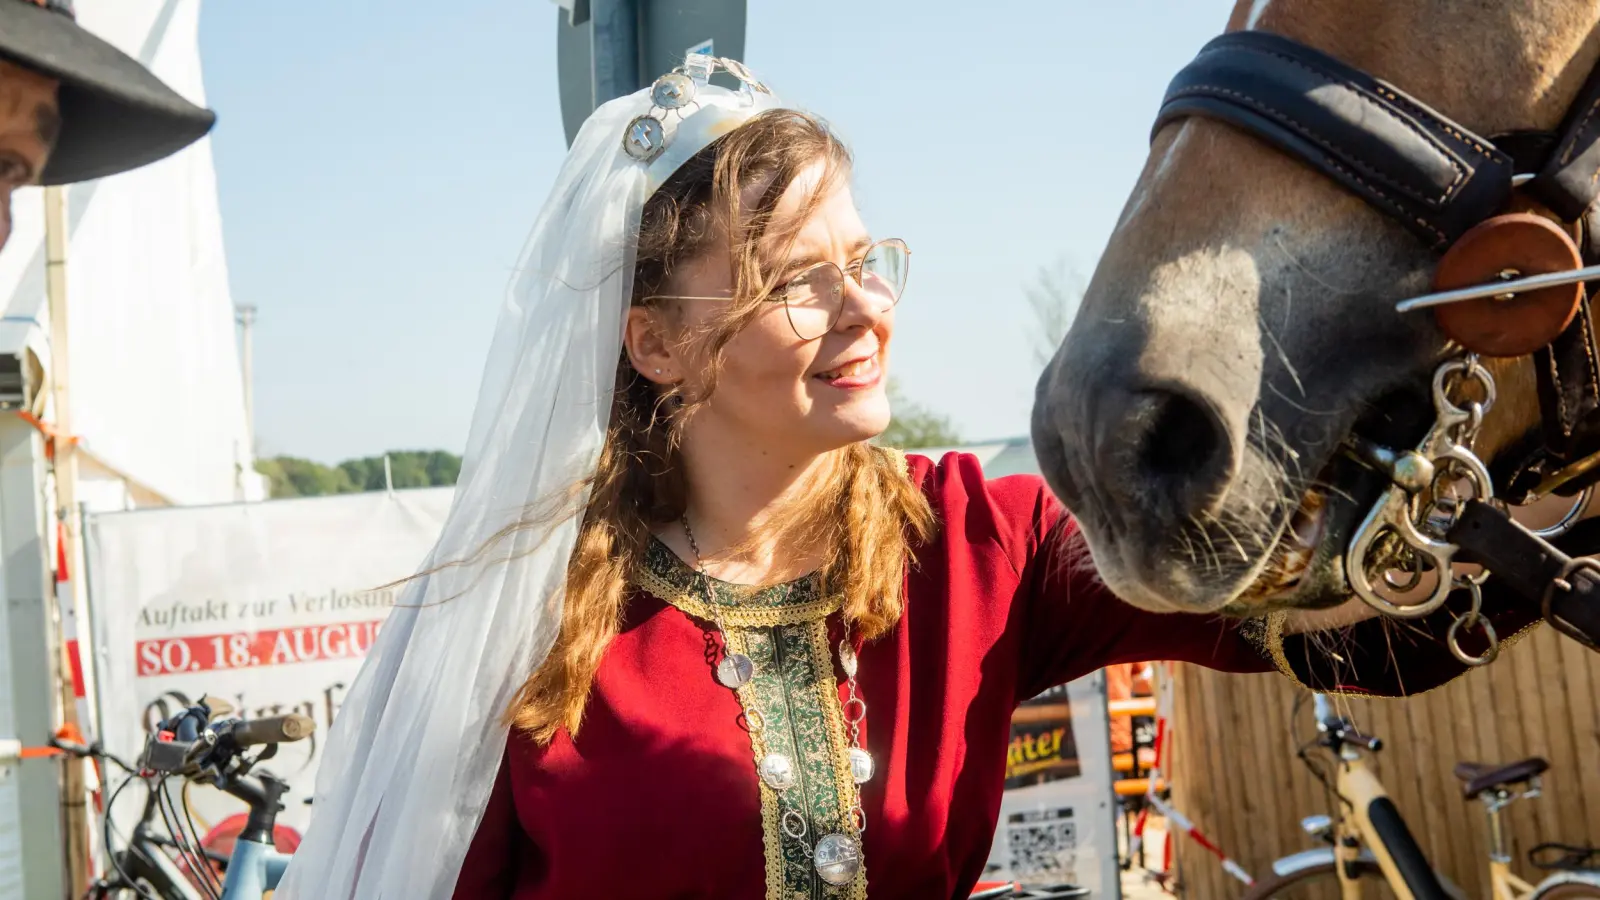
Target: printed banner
270, 606
1057, 816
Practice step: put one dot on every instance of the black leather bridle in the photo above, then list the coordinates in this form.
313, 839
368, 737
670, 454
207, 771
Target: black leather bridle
1439, 179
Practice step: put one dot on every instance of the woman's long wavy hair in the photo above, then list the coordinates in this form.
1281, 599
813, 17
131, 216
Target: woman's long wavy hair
864, 514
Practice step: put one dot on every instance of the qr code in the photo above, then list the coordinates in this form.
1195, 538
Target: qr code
1042, 843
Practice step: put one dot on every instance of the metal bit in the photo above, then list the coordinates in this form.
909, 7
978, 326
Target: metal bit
1409, 470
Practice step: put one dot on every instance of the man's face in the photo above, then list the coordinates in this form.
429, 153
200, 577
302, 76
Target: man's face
29, 121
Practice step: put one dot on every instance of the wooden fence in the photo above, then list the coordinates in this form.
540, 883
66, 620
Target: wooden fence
1234, 769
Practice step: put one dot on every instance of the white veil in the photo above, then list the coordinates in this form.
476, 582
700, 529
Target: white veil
413, 754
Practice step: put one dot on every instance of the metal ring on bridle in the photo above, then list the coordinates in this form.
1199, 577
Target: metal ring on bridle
1413, 567
1472, 369
1471, 617
1571, 517
1435, 553
1561, 582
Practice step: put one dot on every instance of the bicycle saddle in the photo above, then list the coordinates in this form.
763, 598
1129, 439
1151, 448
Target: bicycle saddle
1480, 777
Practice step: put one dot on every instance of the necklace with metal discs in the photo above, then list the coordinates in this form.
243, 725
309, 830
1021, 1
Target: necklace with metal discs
837, 856
735, 670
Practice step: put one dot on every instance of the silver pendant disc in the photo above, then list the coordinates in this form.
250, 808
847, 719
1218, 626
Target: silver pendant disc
672, 91
847, 659
777, 771
861, 766
644, 138
838, 859
735, 670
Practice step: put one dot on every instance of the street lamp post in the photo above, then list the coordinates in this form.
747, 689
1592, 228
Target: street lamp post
245, 315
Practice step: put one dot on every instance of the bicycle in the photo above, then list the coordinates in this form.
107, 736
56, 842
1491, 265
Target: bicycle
200, 745
1368, 841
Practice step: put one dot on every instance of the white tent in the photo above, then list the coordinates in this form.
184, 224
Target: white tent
156, 395
156, 385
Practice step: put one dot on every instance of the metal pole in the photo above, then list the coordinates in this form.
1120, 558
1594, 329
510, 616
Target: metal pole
74, 794
615, 49
245, 315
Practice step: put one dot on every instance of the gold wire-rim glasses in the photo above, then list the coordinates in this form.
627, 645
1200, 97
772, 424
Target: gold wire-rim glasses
855, 271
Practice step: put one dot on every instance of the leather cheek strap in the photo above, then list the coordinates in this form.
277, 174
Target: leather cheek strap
1569, 182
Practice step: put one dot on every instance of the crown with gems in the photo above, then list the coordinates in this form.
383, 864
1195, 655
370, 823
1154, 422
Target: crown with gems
688, 113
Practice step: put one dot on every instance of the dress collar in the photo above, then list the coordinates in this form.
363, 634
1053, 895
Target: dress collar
666, 576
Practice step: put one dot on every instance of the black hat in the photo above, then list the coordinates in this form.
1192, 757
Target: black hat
115, 115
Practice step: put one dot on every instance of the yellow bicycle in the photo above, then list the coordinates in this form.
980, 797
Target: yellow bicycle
1367, 843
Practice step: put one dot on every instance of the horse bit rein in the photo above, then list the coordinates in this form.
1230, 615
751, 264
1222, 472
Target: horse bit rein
1507, 284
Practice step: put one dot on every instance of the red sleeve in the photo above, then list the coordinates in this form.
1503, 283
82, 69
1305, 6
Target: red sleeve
1076, 624
489, 872
1069, 623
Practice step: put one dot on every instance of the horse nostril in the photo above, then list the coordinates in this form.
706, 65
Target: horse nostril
1184, 449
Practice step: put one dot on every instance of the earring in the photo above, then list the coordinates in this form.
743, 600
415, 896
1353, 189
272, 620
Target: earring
658, 371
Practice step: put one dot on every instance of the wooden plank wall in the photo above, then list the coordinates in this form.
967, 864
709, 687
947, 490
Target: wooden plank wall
1236, 775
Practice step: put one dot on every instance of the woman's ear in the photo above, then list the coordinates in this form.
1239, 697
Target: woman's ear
649, 346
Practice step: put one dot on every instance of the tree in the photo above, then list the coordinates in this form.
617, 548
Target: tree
914, 426
1054, 297
290, 476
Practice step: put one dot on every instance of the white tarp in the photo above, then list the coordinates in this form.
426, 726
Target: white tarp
157, 394
270, 606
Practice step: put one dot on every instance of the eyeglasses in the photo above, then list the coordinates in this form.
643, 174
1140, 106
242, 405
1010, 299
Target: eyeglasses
814, 299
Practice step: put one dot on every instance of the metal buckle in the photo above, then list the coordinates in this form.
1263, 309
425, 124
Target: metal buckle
1394, 511
1560, 582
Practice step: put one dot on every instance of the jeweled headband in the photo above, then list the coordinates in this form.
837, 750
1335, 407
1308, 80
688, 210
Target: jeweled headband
690, 113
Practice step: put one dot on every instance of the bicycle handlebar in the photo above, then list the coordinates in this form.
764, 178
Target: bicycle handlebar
1338, 730
271, 730
195, 739
1356, 738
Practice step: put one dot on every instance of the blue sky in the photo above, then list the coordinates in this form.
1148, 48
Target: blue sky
380, 163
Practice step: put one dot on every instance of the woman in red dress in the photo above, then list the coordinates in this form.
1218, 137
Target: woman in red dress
787, 659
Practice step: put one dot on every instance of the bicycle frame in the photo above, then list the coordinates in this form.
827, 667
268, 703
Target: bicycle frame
1365, 809
1504, 883
255, 868
1507, 886
1381, 831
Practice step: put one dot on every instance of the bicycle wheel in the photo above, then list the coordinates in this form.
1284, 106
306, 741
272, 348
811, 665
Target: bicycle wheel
1569, 886
1319, 882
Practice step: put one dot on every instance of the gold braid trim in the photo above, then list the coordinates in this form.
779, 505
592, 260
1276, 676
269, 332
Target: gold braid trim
737, 616
771, 826
844, 779
1273, 640
1274, 646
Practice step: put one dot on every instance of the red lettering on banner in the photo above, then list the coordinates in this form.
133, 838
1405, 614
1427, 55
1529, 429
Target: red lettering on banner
251, 649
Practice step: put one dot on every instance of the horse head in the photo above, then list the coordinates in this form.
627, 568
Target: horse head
1240, 326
